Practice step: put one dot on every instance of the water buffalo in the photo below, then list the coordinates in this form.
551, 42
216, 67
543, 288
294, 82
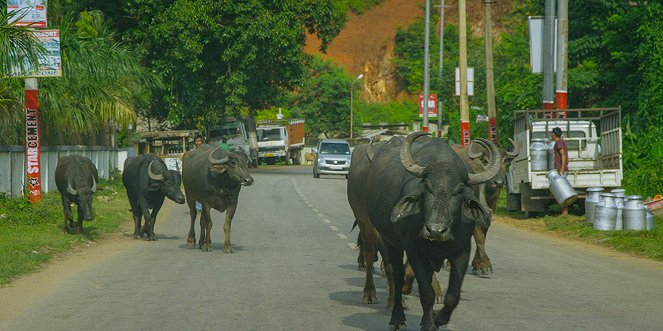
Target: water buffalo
76, 179
148, 182
213, 177
369, 239
420, 198
477, 157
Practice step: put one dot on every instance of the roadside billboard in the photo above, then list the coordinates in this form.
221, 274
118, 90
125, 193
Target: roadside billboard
432, 102
33, 12
50, 65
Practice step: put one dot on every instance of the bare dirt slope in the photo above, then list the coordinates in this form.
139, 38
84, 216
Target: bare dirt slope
366, 43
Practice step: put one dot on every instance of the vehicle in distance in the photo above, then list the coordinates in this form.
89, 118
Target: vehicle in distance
333, 158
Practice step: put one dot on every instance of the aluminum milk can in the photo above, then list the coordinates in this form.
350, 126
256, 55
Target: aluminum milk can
605, 217
539, 155
619, 201
550, 145
590, 203
561, 189
634, 213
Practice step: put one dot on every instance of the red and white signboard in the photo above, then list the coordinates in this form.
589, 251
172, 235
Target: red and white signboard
32, 160
32, 12
432, 103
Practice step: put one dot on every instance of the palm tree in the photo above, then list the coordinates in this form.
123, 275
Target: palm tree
19, 50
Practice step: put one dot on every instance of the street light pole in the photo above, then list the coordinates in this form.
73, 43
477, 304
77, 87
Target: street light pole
351, 101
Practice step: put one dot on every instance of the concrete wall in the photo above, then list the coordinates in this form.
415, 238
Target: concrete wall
12, 164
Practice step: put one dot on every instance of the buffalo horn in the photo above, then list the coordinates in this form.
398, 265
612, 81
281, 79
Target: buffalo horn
213, 160
515, 151
94, 185
152, 175
492, 168
473, 151
370, 153
70, 189
406, 156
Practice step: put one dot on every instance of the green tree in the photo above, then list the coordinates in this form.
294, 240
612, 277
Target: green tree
323, 99
219, 57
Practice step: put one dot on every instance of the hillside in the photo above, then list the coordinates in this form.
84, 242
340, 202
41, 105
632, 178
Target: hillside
366, 43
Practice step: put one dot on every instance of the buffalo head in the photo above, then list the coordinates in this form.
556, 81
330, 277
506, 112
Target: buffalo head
168, 181
444, 193
83, 197
233, 164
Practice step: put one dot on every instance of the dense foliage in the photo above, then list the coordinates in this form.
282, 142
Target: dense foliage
615, 59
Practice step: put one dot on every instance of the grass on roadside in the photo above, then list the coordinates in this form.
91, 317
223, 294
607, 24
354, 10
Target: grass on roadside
31, 235
647, 244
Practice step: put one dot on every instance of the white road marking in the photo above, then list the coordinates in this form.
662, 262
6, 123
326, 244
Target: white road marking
321, 215
326, 221
342, 236
315, 210
333, 228
352, 245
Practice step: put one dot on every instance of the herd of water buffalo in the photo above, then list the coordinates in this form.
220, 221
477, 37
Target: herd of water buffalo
417, 196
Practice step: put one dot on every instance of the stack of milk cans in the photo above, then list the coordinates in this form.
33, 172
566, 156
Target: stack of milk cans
615, 210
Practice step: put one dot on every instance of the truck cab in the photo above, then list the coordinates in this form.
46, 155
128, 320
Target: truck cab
281, 141
272, 143
234, 134
593, 137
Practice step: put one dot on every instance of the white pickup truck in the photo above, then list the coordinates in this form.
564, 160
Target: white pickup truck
594, 140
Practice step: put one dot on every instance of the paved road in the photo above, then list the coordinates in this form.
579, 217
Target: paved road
294, 269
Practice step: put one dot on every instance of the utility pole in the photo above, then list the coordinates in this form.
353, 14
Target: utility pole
562, 56
439, 71
490, 86
548, 56
426, 67
462, 48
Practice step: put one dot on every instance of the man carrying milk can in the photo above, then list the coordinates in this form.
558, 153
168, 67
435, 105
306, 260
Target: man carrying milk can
561, 153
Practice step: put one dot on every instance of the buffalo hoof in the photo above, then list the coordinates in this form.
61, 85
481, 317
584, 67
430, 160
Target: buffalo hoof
65, 230
361, 267
398, 326
206, 247
369, 298
483, 272
441, 318
190, 242
152, 238
228, 249
137, 236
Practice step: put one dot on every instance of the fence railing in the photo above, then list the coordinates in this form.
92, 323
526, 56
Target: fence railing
12, 164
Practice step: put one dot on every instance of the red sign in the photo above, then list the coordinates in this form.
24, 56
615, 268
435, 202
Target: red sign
432, 102
465, 134
32, 161
492, 130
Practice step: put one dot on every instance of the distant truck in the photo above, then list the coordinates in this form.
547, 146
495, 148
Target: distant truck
281, 140
594, 140
234, 133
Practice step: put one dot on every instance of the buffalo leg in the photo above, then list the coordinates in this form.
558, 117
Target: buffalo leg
409, 281
153, 220
137, 213
79, 216
191, 238
227, 225
481, 265
361, 264
459, 264
398, 273
424, 274
369, 241
203, 227
207, 245
68, 217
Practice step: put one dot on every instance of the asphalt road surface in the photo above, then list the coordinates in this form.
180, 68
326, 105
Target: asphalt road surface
294, 268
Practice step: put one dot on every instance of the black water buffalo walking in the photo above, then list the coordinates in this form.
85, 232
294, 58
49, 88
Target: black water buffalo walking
213, 177
148, 182
420, 198
76, 178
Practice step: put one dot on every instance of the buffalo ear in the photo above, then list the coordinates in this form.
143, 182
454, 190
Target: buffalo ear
474, 210
218, 168
407, 206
